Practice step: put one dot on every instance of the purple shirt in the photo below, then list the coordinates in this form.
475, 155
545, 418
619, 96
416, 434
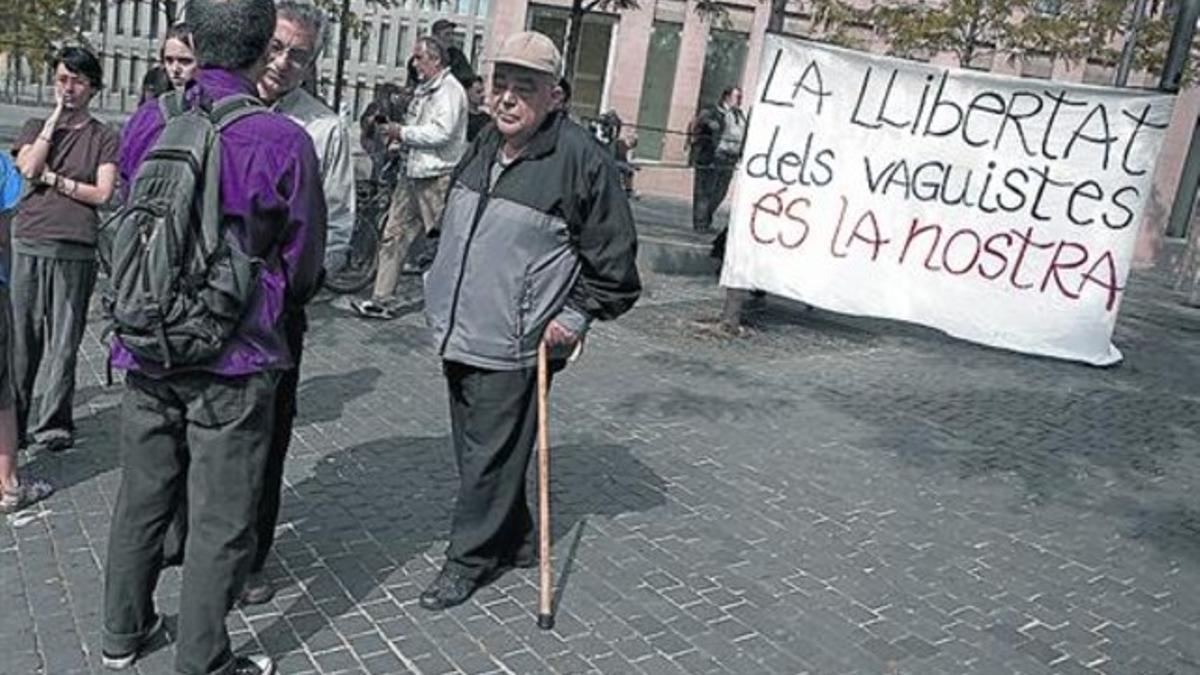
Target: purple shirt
270, 195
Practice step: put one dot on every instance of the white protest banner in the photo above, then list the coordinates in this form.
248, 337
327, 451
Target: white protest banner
1000, 210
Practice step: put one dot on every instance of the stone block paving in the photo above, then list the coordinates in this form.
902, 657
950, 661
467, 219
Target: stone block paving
830, 495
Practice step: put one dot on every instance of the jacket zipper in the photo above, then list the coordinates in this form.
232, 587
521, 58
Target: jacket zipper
462, 270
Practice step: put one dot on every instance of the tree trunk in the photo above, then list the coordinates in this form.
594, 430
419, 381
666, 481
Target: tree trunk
571, 41
778, 12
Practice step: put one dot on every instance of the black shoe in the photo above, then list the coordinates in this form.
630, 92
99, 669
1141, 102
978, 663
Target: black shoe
449, 589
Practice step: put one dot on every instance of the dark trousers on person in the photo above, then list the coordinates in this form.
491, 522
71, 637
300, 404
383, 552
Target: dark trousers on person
49, 309
709, 187
493, 421
295, 324
210, 434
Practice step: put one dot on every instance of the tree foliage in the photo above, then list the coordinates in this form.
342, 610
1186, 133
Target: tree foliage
32, 29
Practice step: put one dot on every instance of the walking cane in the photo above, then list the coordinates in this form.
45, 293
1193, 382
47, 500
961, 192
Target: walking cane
545, 618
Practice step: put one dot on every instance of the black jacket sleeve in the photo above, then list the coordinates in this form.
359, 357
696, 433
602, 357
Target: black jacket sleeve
607, 245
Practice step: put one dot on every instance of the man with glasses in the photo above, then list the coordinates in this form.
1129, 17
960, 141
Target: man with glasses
435, 134
301, 32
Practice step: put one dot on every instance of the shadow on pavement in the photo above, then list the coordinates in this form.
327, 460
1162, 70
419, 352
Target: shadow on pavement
323, 398
362, 526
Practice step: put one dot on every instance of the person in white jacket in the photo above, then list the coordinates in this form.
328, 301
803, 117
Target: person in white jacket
434, 133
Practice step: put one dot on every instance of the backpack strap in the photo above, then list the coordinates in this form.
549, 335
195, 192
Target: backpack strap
233, 108
171, 104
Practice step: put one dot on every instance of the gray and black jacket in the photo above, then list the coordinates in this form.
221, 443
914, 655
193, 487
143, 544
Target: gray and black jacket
554, 238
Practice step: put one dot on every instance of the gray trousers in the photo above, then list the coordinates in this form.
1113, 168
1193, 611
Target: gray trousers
493, 420
205, 436
49, 311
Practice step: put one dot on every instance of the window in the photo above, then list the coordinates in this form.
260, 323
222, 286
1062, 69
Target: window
137, 18
591, 62
476, 51
402, 48
364, 43
114, 78
119, 20
462, 7
385, 33
133, 75
662, 57
481, 9
724, 61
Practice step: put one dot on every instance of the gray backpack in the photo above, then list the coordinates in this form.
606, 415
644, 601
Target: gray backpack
180, 282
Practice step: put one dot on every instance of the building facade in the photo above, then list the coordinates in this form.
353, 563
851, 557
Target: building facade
126, 34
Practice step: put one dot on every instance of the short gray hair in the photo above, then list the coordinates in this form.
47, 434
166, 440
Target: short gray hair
308, 15
231, 34
435, 46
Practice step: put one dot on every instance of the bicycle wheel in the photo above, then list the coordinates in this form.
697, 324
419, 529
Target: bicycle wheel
359, 270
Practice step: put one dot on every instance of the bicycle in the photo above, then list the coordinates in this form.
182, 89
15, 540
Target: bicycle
374, 197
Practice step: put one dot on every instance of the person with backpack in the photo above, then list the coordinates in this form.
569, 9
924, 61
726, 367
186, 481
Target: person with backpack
17, 492
70, 161
223, 227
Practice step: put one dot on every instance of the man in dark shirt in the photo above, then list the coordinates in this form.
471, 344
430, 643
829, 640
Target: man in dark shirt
477, 114
70, 159
209, 426
460, 67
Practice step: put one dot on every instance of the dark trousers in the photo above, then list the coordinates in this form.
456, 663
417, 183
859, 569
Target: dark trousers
295, 324
208, 434
281, 438
709, 187
49, 309
493, 421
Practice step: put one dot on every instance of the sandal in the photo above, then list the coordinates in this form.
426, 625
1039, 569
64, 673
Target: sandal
24, 494
371, 309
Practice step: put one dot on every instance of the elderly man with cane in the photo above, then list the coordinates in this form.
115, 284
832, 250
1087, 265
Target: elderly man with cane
537, 241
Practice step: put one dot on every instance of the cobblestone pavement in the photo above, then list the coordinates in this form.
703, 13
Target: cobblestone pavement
830, 495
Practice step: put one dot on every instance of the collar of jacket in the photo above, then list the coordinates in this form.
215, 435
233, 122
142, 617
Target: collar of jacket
542, 143
432, 83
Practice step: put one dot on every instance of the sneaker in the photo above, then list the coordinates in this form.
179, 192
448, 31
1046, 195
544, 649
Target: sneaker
258, 589
123, 661
253, 665
52, 444
371, 309
25, 493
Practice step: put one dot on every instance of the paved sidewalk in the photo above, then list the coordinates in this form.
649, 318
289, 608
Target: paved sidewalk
831, 495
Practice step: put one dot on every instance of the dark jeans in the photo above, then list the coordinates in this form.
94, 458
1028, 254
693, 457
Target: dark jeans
709, 187
210, 434
493, 421
49, 310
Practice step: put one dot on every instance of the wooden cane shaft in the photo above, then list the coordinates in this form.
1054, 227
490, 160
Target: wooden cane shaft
545, 569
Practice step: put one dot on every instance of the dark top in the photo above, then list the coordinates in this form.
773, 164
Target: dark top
48, 215
460, 67
476, 121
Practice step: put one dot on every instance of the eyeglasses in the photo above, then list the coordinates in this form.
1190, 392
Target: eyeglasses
294, 55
